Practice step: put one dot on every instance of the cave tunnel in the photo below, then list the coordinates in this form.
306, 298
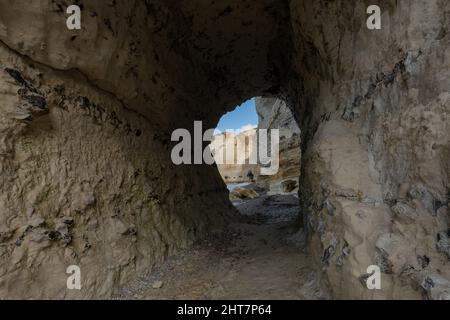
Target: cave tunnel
88, 114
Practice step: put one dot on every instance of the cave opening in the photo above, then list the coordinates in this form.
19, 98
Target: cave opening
259, 254
242, 130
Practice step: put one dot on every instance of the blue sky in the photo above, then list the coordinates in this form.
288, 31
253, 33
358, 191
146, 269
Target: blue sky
243, 116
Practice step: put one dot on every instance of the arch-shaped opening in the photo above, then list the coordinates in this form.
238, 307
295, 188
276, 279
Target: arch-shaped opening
253, 120
258, 253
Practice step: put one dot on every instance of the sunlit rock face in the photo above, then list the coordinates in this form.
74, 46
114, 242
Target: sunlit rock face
86, 174
274, 114
230, 168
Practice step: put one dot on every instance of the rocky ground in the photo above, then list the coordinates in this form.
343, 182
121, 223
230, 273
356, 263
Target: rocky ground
254, 258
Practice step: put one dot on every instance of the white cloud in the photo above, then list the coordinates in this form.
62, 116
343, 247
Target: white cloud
246, 128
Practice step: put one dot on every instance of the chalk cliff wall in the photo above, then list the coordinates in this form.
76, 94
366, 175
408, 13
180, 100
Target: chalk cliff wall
233, 172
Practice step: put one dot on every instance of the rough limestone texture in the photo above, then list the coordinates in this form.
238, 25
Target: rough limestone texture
374, 108
86, 118
273, 113
86, 182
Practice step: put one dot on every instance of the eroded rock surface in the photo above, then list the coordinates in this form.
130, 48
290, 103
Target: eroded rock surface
376, 142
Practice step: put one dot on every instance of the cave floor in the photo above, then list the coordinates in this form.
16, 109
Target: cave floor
257, 257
